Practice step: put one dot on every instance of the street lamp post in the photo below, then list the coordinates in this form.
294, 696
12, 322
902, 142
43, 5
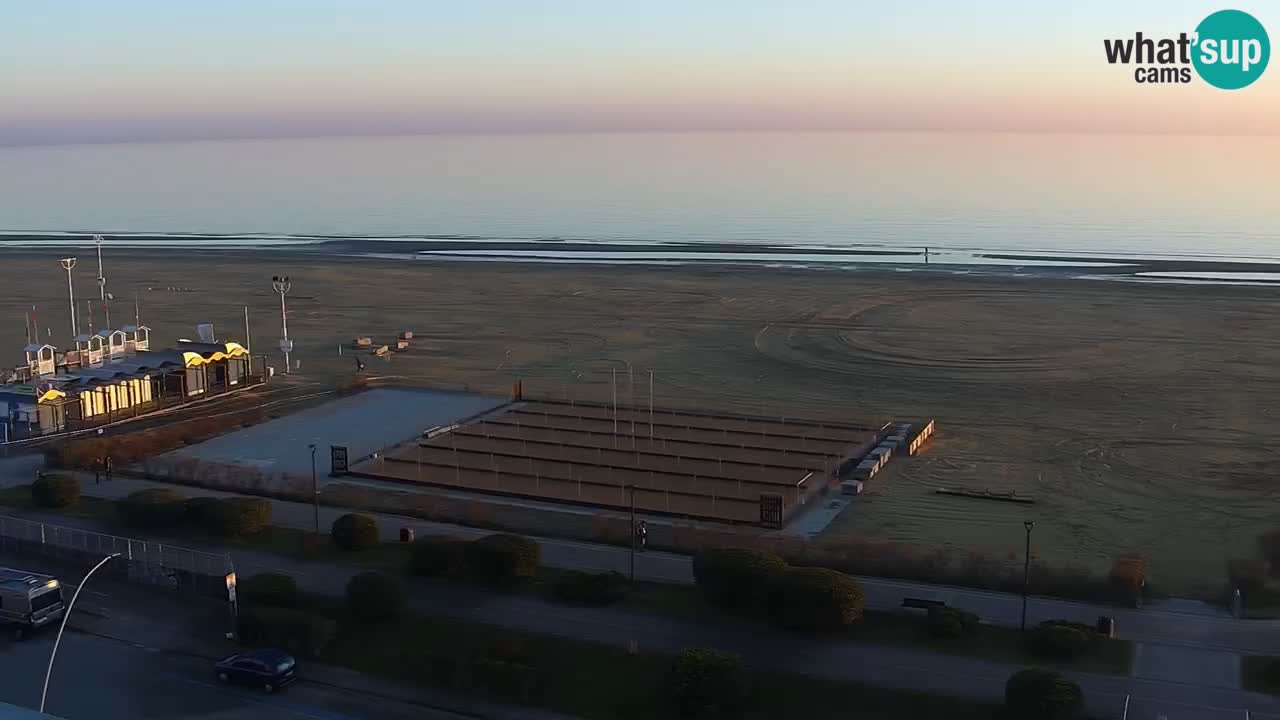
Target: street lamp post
1026, 571
315, 489
66, 614
632, 490
67, 264
281, 284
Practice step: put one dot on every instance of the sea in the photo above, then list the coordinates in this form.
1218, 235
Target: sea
1138, 207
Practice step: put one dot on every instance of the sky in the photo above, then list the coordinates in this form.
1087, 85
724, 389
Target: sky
82, 71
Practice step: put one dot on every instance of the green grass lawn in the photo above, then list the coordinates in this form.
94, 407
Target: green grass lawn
902, 629
1254, 675
596, 681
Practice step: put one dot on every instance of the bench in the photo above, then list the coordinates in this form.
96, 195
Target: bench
922, 603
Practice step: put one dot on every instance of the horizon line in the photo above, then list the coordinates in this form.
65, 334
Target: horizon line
655, 131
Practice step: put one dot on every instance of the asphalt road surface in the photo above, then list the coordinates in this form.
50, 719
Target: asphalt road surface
99, 679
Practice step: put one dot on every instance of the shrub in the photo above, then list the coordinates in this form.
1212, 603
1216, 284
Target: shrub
374, 596
199, 511
814, 599
1250, 576
300, 633
238, 517
586, 588
947, 622
1061, 640
708, 684
736, 577
355, 532
271, 589
55, 491
503, 559
1043, 695
1128, 578
151, 509
438, 555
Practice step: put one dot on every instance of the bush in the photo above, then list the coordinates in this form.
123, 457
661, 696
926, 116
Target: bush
300, 633
503, 559
438, 555
585, 588
55, 491
151, 509
814, 599
1128, 579
238, 517
947, 622
1061, 640
1043, 695
355, 532
708, 684
374, 596
736, 577
199, 511
271, 589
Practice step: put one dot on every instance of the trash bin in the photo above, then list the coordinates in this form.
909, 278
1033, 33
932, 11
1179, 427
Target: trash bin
406, 535
1106, 626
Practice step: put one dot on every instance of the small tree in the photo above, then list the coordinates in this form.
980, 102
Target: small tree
355, 532
273, 589
55, 491
736, 578
151, 509
708, 684
200, 511
947, 622
1061, 640
815, 599
438, 555
1043, 695
503, 559
374, 596
238, 517
1128, 579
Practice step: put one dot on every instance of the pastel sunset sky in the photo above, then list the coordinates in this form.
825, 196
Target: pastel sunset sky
77, 71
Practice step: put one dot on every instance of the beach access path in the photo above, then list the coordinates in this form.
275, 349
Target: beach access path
1186, 662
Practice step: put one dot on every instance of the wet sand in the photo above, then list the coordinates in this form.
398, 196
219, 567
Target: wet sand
1140, 417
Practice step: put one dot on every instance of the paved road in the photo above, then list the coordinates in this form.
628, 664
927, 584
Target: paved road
100, 679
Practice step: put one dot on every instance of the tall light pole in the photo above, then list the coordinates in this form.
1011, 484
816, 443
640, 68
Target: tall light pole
66, 614
102, 284
315, 488
1026, 571
67, 264
281, 284
632, 490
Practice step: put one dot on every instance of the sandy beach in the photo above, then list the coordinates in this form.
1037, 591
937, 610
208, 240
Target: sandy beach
1140, 417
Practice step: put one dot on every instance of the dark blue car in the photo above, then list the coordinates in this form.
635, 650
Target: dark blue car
264, 668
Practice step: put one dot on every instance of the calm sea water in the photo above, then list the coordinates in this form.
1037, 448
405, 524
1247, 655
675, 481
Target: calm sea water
1110, 195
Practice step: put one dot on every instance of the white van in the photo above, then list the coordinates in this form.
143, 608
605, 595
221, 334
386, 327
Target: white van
29, 600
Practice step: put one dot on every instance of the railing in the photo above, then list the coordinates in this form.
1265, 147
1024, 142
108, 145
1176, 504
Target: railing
148, 562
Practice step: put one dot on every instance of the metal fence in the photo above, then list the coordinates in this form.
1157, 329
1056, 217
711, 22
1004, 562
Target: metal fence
147, 562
